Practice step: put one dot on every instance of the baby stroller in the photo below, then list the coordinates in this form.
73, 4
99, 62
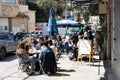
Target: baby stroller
27, 64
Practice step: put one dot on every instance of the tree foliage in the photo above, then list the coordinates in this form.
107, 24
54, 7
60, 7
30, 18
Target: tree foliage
91, 10
42, 8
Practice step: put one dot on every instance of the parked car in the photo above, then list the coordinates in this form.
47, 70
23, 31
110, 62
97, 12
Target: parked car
19, 35
39, 32
8, 43
30, 35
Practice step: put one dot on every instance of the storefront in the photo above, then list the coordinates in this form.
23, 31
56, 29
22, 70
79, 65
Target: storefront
12, 20
7, 12
4, 25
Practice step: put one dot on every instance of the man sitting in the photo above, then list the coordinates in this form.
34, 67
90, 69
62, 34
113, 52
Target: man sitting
47, 59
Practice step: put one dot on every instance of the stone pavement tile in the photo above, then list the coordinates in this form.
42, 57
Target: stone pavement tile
20, 74
43, 77
13, 74
7, 73
82, 77
82, 71
69, 70
13, 78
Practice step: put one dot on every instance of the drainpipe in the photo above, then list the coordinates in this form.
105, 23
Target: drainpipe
109, 31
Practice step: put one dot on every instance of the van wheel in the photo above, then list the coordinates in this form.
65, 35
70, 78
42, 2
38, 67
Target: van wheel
2, 53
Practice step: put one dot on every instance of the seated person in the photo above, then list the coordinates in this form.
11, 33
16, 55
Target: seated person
23, 55
53, 47
38, 45
33, 41
47, 59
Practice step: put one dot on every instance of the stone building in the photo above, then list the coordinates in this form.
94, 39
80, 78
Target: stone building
16, 17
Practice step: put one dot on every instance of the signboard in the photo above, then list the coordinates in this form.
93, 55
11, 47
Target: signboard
102, 8
85, 47
41, 27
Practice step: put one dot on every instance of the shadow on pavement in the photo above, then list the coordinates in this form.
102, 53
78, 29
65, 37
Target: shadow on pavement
102, 78
97, 65
65, 70
9, 57
56, 74
60, 74
86, 59
107, 66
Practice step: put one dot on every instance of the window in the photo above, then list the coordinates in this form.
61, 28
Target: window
6, 37
9, 1
2, 36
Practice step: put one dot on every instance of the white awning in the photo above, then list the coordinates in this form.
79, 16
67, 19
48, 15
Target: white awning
66, 21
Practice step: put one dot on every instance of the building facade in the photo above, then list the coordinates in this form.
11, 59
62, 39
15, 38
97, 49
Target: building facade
12, 21
22, 2
115, 38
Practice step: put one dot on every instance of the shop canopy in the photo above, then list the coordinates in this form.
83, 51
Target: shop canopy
66, 21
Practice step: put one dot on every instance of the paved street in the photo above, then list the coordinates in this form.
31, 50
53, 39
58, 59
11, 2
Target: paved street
69, 70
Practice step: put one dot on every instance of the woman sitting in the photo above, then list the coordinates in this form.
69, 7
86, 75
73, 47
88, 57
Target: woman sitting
24, 57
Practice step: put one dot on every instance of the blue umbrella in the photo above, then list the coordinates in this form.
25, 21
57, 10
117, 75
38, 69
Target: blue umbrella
52, 26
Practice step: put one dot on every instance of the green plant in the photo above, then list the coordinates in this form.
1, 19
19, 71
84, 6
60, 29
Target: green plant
42, 8
102, 37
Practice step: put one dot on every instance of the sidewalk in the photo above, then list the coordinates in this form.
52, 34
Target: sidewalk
69, 70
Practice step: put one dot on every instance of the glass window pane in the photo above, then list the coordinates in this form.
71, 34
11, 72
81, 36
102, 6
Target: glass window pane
3, 0
9, 1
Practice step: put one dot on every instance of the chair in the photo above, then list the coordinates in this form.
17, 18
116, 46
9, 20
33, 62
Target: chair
27, 65
86, 49
49, 63
23, 59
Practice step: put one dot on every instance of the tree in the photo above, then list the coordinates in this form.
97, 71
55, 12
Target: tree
40, 15
90, 10
42, 8
93, 8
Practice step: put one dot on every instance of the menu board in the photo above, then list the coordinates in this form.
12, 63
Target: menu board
85, 47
